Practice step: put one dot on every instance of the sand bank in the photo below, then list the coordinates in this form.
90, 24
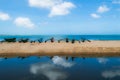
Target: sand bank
90, 49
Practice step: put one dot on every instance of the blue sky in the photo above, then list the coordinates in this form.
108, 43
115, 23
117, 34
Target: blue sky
39, 17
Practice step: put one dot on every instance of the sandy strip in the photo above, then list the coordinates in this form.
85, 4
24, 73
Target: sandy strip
90, 49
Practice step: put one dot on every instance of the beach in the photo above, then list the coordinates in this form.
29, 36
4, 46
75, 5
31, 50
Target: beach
90, 49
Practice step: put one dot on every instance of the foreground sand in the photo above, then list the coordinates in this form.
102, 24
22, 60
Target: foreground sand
90, 49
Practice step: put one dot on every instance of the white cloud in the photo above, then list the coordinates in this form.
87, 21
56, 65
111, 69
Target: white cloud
95, 15
111, 73
4, 16
61, 9
116, 1
24, 22
56, 7
102, 60
61, 61
102, 9
51, 71
44, 3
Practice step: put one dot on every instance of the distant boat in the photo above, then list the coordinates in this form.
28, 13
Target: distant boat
66, 40
23, 40
51, 40
40, 40
10, 40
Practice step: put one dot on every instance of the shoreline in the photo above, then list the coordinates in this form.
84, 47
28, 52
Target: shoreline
94, 48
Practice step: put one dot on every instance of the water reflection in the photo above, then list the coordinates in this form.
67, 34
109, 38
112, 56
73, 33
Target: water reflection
59, 68
62, 62
22, 57
51, 71
102, 60
111, 73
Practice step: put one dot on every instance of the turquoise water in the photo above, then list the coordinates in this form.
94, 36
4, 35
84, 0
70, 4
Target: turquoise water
57, 37
60, 68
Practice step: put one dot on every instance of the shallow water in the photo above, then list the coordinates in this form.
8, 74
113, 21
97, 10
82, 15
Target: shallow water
59, 68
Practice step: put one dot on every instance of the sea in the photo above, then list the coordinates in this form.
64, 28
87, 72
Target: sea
60, 67
57, 37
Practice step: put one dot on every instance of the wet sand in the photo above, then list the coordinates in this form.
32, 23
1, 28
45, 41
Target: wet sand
86, 49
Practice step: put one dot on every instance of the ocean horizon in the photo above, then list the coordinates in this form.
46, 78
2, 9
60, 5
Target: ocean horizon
57, 37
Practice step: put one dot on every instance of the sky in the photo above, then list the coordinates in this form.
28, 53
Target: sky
71, 17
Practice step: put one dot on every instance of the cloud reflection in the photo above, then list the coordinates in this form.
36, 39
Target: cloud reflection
102, 60
51, 71
111, 73
61, 62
